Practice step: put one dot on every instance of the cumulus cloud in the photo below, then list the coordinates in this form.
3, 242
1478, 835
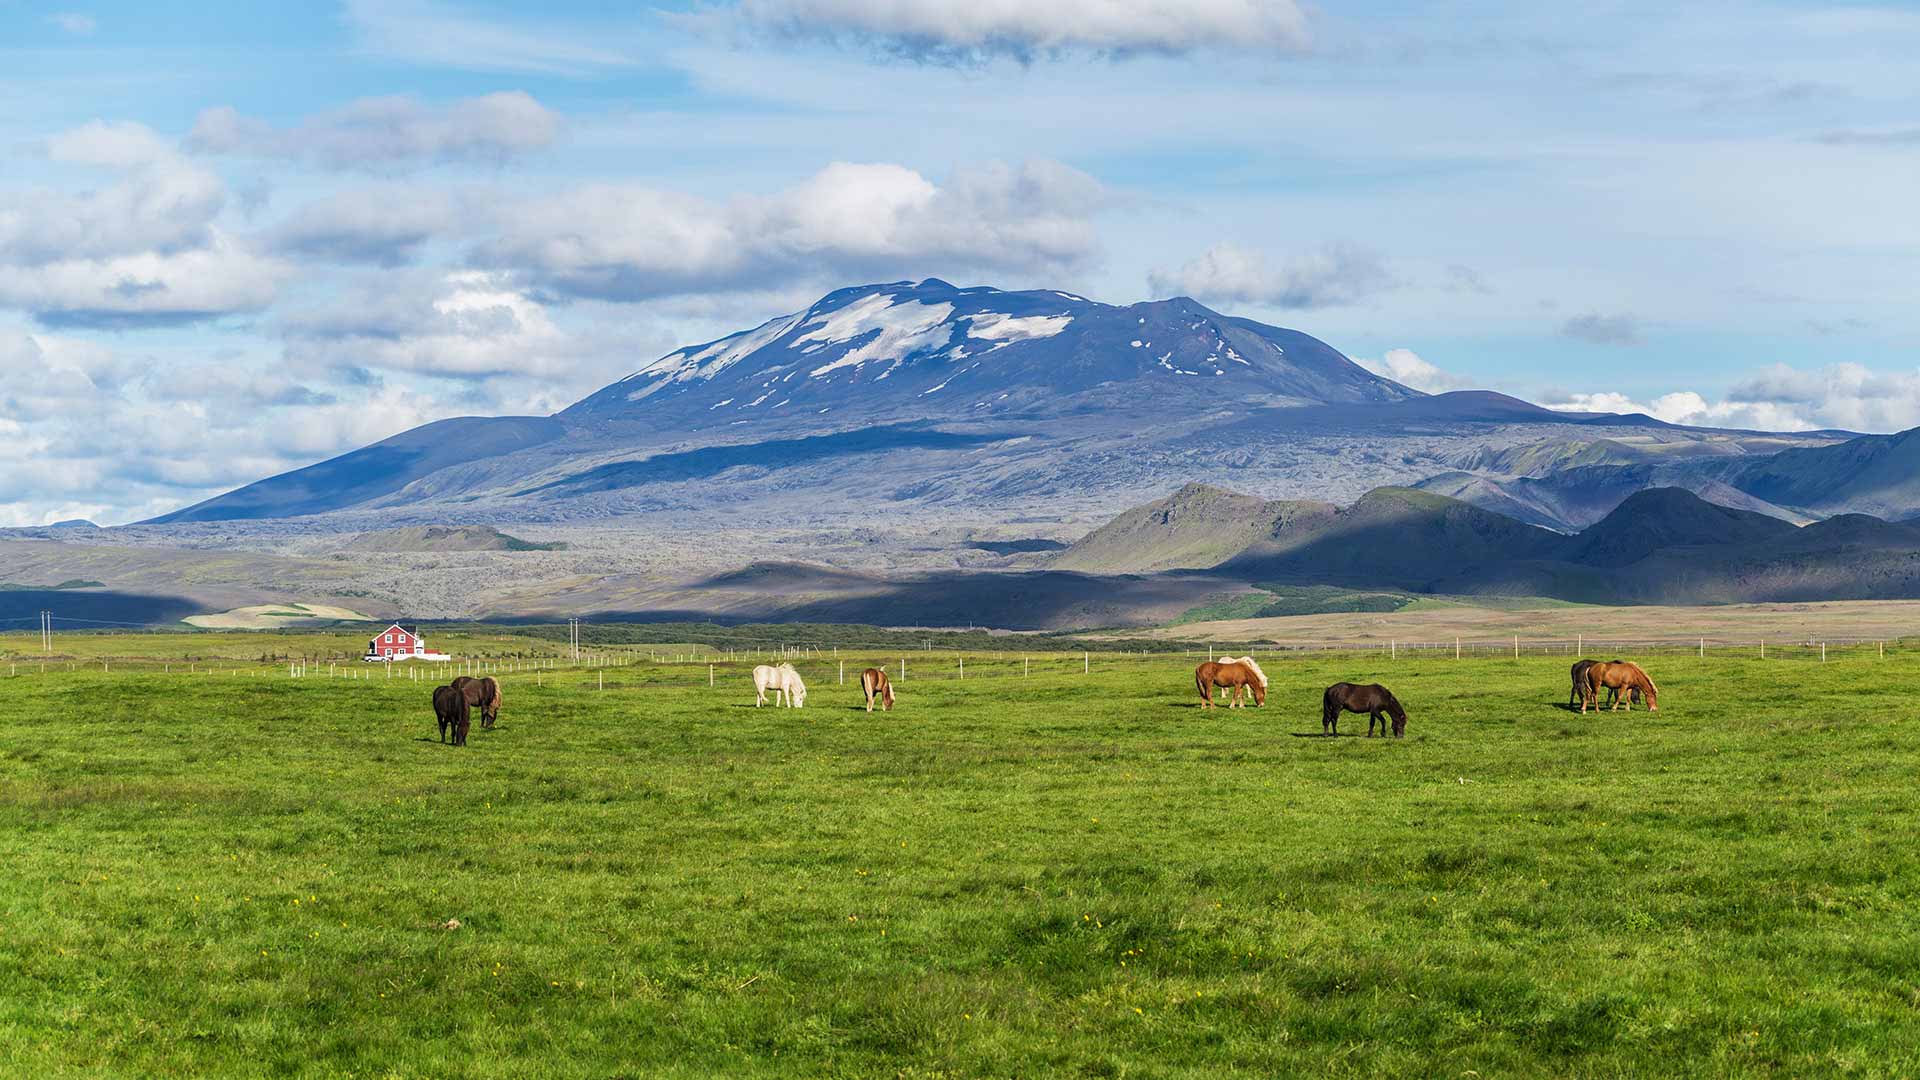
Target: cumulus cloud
948, 32
382, 226
1850, 397
144, 248
1596, 329
387, 133
464, 325
848, 222
1335, 275
1406, 367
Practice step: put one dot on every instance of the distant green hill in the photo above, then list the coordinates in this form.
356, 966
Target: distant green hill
1662, 545
1196, 527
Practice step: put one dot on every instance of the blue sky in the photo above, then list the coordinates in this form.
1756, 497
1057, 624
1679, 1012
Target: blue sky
235, 239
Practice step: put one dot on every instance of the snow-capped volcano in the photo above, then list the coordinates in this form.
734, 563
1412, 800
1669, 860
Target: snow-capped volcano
940, 394
934, 349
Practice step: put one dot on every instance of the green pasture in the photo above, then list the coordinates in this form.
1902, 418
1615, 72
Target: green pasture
1056, 873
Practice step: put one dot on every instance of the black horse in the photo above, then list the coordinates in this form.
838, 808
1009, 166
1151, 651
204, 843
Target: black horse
1373, 700
451, 709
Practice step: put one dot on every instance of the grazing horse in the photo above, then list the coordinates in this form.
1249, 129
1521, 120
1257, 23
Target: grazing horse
1579, 690
875, 684
1619, 675
451, 710
483, 693
1372, 699
1236, 676
785, 683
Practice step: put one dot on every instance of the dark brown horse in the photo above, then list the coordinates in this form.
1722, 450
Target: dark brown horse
1372, 699
1234, 676
1579, 691
1619, 675
482, 693
875, 684
450, 708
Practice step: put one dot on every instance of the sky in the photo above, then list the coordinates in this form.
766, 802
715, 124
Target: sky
236, 239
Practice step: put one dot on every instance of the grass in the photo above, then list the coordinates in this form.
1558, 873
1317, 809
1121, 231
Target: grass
1057, 875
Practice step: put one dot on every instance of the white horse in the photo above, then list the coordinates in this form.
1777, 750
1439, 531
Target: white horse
783, 681
1257, 673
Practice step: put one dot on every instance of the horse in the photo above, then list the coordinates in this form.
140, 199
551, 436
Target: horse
1372, 699
1619, 675
785, 683
484, 693
1234, 675
875, 684
451, 710
1579, 690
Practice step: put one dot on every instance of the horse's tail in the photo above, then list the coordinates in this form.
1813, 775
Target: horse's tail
1200, 683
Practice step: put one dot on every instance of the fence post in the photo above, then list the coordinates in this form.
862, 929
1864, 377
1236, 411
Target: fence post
1393, 649
1086, 663
1516, 646
1456, 648
1883, 650
843, 668
1763, 648
1823, 652
963, 667
1703, 648
603, 680
709, 674
1026, 667
903, 669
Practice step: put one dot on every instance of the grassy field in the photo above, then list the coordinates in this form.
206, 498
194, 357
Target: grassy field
1056, 875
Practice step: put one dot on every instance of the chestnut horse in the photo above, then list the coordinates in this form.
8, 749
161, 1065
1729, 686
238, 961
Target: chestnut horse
1579, 690
450, 709
875, 684
1621, 675
1237, 676
1372, 699
483, 693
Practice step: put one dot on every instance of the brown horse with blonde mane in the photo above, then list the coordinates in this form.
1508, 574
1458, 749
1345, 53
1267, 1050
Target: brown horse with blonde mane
481, 693
1623, 676
1236, 676
875, 684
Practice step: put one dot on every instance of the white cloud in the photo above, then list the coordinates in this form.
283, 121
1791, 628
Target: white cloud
385, 133
144, 248
1406, 367
1335, 275
1597, 329
1845, 396
950, 31
384, 225
73, 22
428, 33
465, 325
846, 223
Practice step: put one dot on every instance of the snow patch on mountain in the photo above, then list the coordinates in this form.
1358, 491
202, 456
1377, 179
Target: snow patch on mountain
893, 330
995, 326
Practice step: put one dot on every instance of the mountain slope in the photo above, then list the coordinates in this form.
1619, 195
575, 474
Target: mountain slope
381, 469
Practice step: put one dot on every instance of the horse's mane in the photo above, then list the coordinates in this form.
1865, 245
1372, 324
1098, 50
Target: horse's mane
1648, 679
1257, 673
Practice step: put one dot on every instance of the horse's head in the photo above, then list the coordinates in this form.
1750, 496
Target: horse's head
1259, 691
1399, 715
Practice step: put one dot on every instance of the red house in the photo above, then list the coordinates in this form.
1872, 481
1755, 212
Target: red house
399, 642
